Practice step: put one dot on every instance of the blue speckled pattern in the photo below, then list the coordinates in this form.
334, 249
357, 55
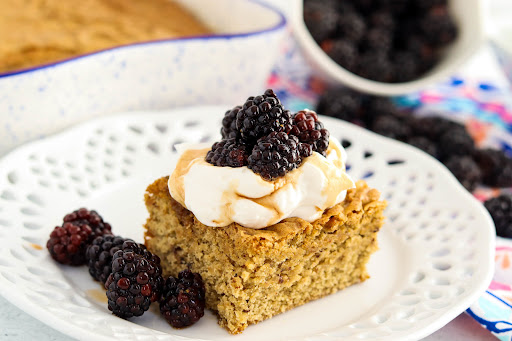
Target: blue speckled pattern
150, 76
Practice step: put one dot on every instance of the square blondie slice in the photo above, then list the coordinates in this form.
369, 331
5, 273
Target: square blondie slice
251, 275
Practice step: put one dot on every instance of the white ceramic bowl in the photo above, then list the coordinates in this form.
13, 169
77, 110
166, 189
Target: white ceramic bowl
218, 69
469, 15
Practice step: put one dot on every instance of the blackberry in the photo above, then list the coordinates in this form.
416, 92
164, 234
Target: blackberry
99, 254
424, 144
342, 52
383, 20
183, 299
377, 39
423, 52
310, 130
262, 115
465, 170
83, 216
375, 106
426, 5
395, 6
496, 167
500, 209
455, 142
227, 153
342, 103
406, 67
376, 66
228, 129
438, 26
352, 27
390, 126
433, 127
275, 155
68, 242
321, 20
136, 281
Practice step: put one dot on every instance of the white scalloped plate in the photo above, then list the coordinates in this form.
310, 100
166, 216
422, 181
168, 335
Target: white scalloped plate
436, 248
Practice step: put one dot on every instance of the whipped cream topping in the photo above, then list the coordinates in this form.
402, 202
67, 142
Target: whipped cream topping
219, 196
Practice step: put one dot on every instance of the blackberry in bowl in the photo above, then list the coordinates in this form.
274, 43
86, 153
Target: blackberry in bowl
388, 48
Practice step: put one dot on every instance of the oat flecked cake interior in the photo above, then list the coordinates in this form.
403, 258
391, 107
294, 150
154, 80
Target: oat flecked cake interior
251, 275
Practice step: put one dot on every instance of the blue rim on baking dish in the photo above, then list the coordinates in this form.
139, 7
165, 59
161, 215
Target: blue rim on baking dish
281, 23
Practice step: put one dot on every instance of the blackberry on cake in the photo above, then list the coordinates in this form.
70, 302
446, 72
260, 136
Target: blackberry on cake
309, 130
135, 282
262, 115
228, 129
67, 243
183, 299
228, 153
275, 155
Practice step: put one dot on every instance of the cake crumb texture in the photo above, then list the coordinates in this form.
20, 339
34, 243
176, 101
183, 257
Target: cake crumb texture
251, 275
36, 32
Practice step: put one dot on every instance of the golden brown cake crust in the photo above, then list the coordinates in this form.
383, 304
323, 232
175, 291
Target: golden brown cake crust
251, 275
41, 31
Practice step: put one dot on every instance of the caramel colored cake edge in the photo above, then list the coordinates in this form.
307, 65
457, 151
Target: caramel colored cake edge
251, 275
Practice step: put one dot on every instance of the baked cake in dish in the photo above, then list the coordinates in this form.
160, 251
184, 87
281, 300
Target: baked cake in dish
267, 216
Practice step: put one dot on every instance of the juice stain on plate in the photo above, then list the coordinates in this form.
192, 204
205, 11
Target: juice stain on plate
99, 295
36, 246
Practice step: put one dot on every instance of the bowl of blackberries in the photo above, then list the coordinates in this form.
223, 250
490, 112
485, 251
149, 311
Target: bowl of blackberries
388, 47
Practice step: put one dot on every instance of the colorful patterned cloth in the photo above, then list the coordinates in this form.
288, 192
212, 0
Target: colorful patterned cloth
486, 110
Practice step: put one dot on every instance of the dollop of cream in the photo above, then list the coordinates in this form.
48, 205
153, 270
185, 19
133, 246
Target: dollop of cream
219, 196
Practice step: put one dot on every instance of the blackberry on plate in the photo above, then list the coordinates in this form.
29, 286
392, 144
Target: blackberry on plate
391, 126
275, 155
496, 167
99, 254
228, 129
500, 209
465, 170
310, 130
424, 144
92, 218
67, 243
262, 115
342, 103
455, 142
183, 299
227, 153
136, 281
